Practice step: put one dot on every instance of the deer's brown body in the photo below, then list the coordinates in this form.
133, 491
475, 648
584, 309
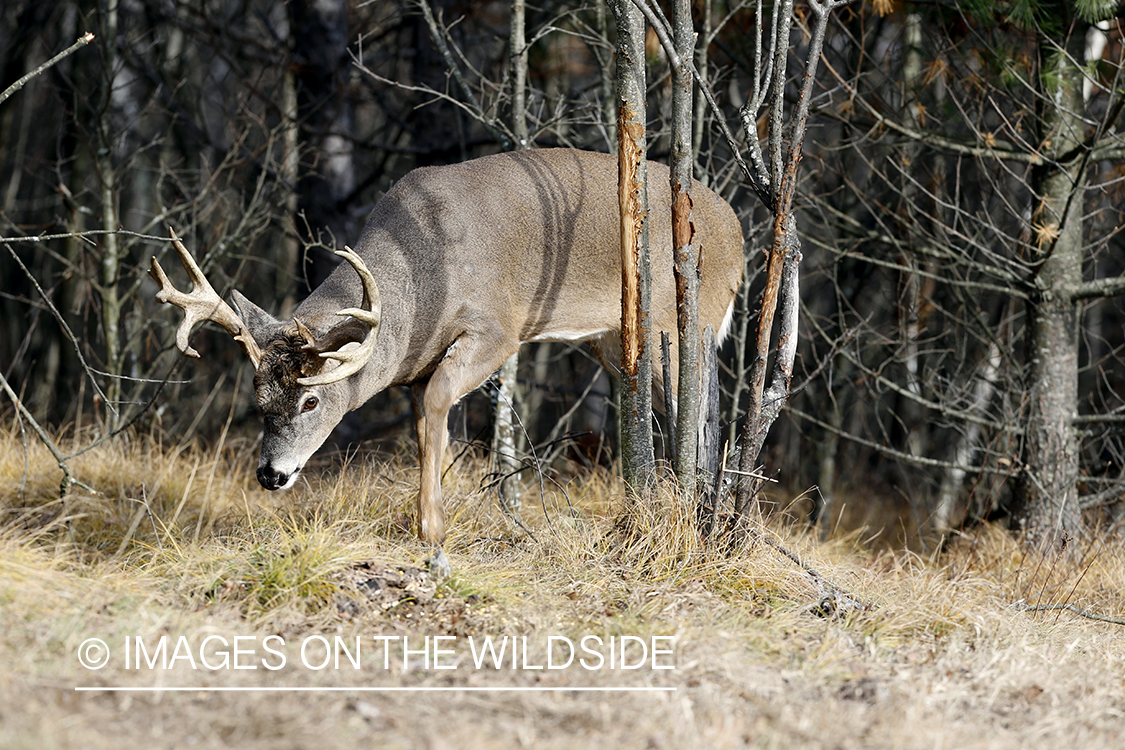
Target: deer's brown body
467, 262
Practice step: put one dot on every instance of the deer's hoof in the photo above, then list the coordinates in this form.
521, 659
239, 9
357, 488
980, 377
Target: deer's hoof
438, 565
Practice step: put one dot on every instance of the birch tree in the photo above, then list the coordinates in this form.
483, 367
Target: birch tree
504, 432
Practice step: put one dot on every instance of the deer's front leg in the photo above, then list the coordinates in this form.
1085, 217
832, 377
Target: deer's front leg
468, 362
433, 434
431, 513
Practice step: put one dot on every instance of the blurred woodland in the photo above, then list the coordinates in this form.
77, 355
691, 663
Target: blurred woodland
961, 198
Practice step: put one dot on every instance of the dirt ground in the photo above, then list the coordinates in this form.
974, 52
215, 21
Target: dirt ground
711, 648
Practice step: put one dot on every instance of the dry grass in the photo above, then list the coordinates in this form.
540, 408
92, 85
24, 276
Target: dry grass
182, 542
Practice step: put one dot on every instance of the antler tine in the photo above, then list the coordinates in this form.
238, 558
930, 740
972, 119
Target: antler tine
201, 304
352, 359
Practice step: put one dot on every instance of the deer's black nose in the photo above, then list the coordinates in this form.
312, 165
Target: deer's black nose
271, 479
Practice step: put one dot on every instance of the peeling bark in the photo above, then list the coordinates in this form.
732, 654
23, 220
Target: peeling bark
782, 266
637, 461
686, 267
629, 185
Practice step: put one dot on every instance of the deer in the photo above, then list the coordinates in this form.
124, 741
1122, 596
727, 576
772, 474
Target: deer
456, 267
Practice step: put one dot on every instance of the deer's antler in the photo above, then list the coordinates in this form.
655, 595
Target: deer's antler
200, 305
351, 358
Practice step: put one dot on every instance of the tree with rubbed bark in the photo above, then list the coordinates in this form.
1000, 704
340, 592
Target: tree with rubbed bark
637, 461
777, 183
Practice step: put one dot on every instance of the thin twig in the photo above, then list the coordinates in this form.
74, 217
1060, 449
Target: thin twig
1023, 607
758, 182
46, 439
82, 42
891, 452
751, 474
86, 234
834, 601
498, 132
63, 324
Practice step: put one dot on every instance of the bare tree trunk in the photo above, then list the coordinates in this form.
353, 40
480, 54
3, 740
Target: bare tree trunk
782, 290
707, 463
320, 35
637, 462
290, 257
504, 435
111, 258
908, 426
1046, 505
741, 336
668, 425
686, 267
518, 50
698, 118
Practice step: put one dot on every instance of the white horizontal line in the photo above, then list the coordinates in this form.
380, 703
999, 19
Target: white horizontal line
284, 689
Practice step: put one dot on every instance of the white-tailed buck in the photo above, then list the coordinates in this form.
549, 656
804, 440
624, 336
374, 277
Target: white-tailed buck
457, 267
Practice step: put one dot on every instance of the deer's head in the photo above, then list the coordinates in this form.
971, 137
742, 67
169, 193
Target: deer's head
300, 378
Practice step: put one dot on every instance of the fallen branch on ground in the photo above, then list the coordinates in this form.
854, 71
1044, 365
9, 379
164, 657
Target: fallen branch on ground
1024, 607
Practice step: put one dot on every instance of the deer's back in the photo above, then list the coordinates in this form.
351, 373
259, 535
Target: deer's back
527, 244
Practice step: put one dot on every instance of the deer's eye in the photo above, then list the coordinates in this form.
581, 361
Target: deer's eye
309, 404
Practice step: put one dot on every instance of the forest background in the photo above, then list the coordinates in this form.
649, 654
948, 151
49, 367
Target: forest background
961, 329
949, 463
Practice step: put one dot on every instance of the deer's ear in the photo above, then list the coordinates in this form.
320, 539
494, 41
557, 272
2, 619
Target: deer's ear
260, 323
